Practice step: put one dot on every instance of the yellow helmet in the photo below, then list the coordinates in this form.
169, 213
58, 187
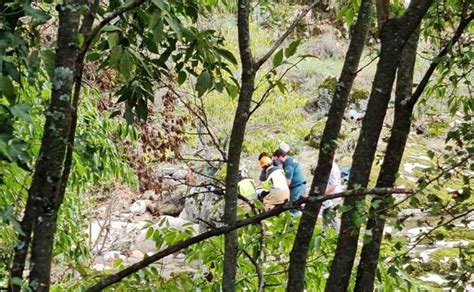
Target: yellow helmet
264, 161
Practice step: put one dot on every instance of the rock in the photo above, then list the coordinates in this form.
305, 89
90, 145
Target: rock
111, 255
171, 207
94, 231
408, 167
207, 207
451, 244
139, 207
414, 232
99, 267
410, 212
433, 278
354, 115
180, 174
150, 195
387, 230
135, 256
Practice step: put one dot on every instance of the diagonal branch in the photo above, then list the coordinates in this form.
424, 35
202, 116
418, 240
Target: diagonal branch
267, 92
114, 278
427, 234
282, 38
105, 21
444, 52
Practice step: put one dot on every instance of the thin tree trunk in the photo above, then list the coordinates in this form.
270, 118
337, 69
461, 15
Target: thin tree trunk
303, 237
404, 105
235, 145
391, 164
85, 31
394, 35
46, 184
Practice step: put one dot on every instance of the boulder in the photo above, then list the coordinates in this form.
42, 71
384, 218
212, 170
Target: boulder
150, 195
203, 207
138, 208
180, 174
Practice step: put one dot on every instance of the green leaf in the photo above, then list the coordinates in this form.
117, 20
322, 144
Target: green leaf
163, 5
115, 56
36, 13
21, 111
227, 55
93, 57
181, 77
278, 58
128, 115
232, 90
291, 50
111, 28
113, 40
126, 64
349, 16
6, 87
48, 56
174, 24
141, 110
203, 82
281, 87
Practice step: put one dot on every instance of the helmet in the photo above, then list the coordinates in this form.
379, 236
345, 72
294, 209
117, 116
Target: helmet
264, 161
284, 147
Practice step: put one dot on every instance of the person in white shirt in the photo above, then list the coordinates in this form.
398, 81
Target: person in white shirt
334, 186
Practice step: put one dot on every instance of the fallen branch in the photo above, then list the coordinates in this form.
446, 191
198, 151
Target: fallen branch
117, 277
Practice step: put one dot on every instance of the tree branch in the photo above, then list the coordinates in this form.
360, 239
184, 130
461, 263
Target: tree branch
426, 78
105, 21
425, 235
282, 38
112, 279
267, 92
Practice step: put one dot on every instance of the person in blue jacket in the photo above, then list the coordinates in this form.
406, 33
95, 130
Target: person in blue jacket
294, 176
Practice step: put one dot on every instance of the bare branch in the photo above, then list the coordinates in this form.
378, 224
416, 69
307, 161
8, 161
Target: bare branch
267, 92
425, 235
426, 78
282, 38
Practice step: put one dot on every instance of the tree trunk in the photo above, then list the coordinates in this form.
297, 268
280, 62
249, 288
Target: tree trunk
394, 35
235, 145
395, 148
46, 182
390, 166
303, 237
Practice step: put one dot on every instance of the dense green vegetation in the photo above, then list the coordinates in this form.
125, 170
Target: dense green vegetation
160, 89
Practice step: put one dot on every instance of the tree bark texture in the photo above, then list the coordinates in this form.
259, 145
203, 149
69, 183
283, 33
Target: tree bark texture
235, 145
46, 183
391, 163
298, 255
404, 105
85, 31
394, 35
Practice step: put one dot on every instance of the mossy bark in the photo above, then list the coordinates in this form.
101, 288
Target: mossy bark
44, 194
